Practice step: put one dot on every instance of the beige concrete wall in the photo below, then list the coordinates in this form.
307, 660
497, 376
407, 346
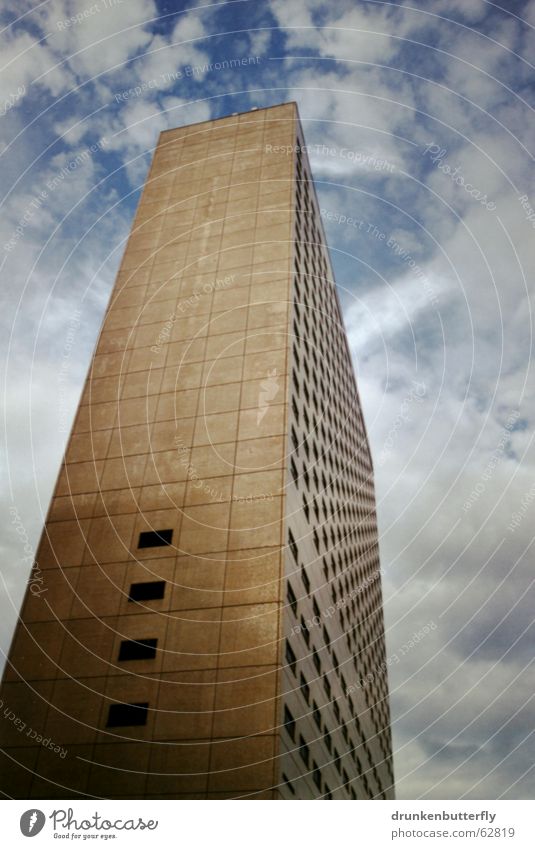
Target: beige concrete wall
175, 429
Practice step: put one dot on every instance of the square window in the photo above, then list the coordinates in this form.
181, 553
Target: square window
136, 650
152, 539
146, 591
127, 714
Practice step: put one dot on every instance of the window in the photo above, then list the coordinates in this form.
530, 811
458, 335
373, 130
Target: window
127, 714
288, 783
291, 659
136, 650
293, 546
292, 601
295, 473
328, 794
289, 722
317, 661
316, 775
146, 591
151, 539
304, 751
305, 689
305, 579
337, 761
305, 632
327, 686
327, 739
316, 714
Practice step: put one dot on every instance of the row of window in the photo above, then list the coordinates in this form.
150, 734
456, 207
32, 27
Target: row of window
303, 749
135, 713
335, 478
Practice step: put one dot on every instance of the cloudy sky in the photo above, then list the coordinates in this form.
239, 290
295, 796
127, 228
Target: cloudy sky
419, 118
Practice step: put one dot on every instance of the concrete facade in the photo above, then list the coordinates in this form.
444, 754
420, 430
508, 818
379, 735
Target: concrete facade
211, 625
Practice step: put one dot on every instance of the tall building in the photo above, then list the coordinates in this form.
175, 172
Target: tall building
204, 619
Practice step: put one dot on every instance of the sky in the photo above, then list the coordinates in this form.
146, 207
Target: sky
419, 120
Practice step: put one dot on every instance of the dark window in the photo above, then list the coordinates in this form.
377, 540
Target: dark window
305, 632
328, 794
304, 751
291, 659
305, 579
288, 783
146, 590
293, 546
292, 601
305, 689
337, 761
289, 722
128, 714
328, 741
295, 473
135, 650
151, 539
316, 775
317, 714
317, 661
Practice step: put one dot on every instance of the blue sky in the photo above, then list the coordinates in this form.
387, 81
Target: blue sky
419, 115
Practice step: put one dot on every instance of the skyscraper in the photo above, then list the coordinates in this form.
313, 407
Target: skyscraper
208, 615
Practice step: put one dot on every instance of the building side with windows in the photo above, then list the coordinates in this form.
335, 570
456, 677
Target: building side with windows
211, 624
